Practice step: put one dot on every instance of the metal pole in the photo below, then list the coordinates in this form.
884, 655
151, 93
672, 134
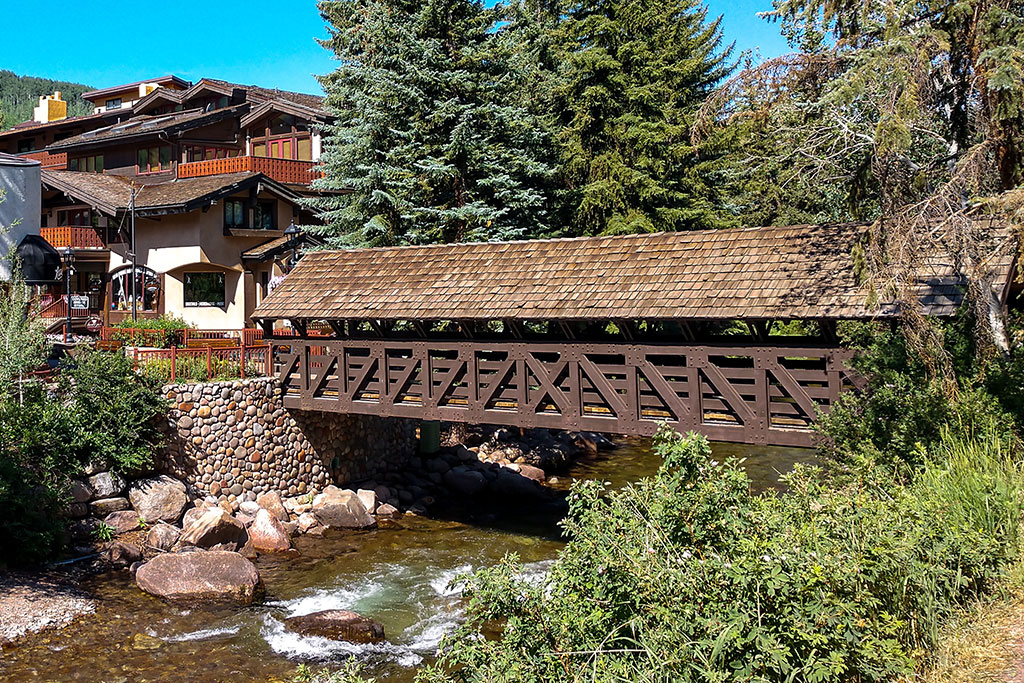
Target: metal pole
67, 300
135, 266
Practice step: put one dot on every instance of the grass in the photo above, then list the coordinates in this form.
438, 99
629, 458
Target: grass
984, 642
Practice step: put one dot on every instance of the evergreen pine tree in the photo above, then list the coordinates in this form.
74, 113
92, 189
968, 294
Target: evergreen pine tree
632, 74
431, 141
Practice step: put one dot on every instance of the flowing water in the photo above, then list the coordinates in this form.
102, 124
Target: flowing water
398, 574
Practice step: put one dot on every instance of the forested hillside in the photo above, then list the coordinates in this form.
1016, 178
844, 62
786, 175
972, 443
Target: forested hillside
19, 94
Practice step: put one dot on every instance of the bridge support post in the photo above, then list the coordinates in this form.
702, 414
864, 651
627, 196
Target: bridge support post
430, 437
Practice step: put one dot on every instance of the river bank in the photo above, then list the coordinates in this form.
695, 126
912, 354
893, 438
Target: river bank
398, 574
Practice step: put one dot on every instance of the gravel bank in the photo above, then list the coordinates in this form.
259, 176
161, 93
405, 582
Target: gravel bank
31, 602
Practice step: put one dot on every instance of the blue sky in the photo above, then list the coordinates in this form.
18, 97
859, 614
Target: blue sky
252, 42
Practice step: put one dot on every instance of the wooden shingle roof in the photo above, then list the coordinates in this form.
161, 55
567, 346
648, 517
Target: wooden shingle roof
754, 273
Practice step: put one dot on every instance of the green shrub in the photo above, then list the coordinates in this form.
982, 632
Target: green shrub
192, 368
163, 332
114, 410
686, 576
37, 459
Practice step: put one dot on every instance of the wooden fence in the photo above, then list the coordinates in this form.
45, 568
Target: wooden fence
246, 337
205, 363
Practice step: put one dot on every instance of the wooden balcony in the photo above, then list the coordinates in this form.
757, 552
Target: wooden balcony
57, 161
289, 171
74, 236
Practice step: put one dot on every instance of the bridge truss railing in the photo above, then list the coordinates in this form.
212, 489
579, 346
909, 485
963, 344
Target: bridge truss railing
761, 394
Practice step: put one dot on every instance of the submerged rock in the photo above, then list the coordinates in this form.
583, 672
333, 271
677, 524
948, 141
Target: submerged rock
200, 577
338, 624
160, 499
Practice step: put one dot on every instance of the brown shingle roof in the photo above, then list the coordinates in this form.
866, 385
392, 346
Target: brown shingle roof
112, 193
149, 126
260, 94
754, 273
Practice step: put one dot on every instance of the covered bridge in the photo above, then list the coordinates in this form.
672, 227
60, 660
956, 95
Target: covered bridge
612, 334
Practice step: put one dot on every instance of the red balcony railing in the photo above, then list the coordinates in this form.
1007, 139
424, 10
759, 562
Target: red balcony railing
58, 309
74, 236
48, 160
281, 170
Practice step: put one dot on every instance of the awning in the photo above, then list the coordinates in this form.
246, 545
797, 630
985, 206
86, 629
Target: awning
40, 262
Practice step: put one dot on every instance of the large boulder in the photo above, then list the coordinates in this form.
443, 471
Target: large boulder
106, 485
268, 534
122, 521
368, 497
464, 481
121, 554
80, 492
104, 506
160, 499
338, 624
163, 537
200, 577
271, 502
214, 527
337, 508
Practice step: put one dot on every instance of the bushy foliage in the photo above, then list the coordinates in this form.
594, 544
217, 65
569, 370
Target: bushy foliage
37, 457
163, 332
687, 576
193, 368
113, 410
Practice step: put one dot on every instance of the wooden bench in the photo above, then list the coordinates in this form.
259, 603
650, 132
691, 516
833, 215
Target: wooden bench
213, 343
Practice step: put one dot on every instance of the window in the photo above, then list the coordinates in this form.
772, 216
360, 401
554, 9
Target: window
147, 289
113, 104
26, 145
154, 159
204, 289
234, 213
93, 164
197, 153
80, 217
305, 149
263, 215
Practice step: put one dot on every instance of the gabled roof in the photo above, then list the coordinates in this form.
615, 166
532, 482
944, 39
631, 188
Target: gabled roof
144, 126
756, 273
93, 95
255, 93
71, 121
308, 105
281, 106
111, 194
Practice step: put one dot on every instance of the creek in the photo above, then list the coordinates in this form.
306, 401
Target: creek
398, 574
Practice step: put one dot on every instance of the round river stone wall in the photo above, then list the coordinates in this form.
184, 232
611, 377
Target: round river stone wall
235, 440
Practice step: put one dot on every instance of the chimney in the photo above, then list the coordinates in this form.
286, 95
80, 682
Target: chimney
51, 108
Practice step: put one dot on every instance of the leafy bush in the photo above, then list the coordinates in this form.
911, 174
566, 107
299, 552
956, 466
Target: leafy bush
163, 332
113, 409
192, 368
687, 576
37, 458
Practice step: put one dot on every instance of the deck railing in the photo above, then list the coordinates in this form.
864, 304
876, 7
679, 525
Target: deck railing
58, 308
74, 236
248, 336
282, 170
47, 159
204, 364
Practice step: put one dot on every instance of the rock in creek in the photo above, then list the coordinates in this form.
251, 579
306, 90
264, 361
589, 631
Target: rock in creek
200, 577
271, 502
106, 485
338, 624
268, 534
122, 521
214, 527
121, 554
464, 481
337, 508
163, 537
160, 499
104, 506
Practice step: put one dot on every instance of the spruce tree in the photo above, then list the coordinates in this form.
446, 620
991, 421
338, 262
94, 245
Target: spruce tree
432, 141
631, 75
